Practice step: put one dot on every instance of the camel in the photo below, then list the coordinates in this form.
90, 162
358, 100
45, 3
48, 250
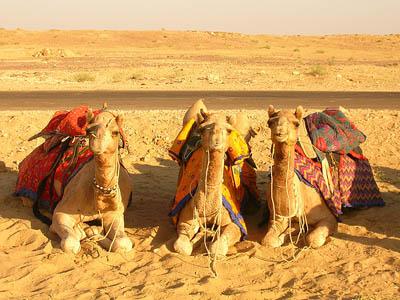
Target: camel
100, 190
206, 207
287, 196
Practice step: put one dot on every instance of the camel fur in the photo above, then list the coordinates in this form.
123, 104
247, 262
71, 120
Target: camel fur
287, 197
84, 201
206, 208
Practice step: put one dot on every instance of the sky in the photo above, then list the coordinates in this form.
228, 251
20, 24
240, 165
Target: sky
306, 17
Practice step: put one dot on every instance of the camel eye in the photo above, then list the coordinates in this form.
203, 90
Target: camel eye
115, 133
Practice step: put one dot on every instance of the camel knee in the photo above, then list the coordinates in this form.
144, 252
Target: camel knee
273, 240
316, 239
275, 236
70, 245
123, 244
230, 235
220, 247
322, 231
183, 245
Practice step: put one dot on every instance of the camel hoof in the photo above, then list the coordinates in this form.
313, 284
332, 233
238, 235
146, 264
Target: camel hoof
70, 245
183, 245
220, 247
123, 244
273, 241
315, 241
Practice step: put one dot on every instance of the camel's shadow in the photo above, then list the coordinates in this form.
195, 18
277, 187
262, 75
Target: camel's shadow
153, 191
381, 220
11, 207
154, 188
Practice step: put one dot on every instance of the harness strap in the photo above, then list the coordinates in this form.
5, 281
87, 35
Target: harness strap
42, 184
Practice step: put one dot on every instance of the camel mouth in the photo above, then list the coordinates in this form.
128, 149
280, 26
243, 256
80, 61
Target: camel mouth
96, 152
218, 146
280, 137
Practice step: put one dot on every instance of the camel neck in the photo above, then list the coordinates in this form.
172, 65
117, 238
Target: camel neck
213, 168
283, 177
210, 186
106, 169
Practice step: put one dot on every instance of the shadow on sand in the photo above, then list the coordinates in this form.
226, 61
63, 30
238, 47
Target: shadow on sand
382, 220
154, 188
11, 207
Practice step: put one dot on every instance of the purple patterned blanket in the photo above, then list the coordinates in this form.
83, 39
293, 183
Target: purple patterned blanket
353, 180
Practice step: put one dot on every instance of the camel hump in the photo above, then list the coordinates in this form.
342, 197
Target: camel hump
241, 123
194, 112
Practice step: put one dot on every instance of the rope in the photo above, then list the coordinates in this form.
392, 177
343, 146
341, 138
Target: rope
302, 218
118, 198
216, 226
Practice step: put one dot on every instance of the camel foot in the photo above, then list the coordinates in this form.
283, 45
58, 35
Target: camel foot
70, 245
183, 245
273, 241
315, 240
220, 247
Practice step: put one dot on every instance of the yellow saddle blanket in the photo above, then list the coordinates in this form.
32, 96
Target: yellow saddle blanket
239, 176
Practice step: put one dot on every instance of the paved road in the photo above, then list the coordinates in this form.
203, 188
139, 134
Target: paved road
144, 100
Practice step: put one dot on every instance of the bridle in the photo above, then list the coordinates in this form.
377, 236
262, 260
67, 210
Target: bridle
92, 131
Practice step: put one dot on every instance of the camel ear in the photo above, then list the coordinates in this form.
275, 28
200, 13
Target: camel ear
89, 116
252, 132
299, 112
271, 110
120, 120
105, 105
202, 116
229, 127
231, 120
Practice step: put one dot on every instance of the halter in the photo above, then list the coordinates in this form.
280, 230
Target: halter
108, 191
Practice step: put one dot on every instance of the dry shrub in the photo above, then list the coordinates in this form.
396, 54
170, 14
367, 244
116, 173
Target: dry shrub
317, 71
83, 77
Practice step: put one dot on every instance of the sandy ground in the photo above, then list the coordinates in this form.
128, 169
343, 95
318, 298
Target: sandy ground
192, 60
361, 261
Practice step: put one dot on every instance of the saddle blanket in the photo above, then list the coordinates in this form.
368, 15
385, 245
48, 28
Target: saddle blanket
60, 157
353, 181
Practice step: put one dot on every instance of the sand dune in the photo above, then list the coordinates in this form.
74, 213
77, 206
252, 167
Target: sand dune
361, 261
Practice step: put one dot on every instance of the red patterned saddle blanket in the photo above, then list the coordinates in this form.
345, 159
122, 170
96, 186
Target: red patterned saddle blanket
63, 153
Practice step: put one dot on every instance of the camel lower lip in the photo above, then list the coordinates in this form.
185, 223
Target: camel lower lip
280, 138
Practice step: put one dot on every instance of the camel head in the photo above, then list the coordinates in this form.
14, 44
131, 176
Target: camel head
214, 131
284, 124
241, 123
104, 131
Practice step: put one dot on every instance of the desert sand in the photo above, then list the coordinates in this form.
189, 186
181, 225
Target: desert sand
361, 261
195, 60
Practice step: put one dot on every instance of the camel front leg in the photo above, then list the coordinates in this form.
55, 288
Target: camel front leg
276, 232
114, 229
230, 235
322, 229
187, 227
64, 226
